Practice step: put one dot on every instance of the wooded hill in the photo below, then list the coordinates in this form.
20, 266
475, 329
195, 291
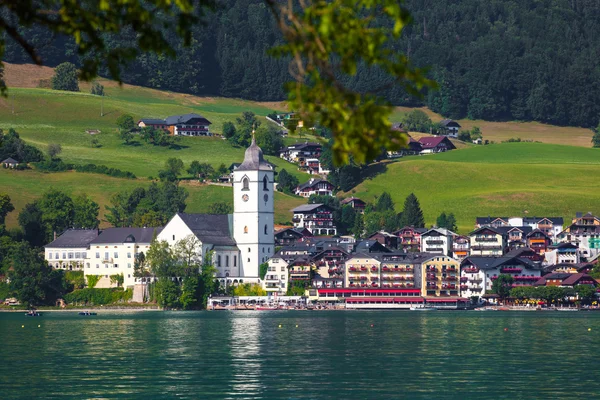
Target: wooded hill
494, 59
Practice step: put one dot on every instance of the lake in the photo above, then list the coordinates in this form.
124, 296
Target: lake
313, 355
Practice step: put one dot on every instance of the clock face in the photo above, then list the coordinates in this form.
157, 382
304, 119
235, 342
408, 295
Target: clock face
266, 197
245, 197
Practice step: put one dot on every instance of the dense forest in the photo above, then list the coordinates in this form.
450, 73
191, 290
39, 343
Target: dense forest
493, 59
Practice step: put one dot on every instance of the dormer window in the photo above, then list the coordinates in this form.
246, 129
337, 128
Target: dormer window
245, 183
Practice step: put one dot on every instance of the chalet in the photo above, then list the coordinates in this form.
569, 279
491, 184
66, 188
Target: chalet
566, 280
538, 241
371, 246
584, 231
437, 241
387, 239
300, 269
491, 221
570, 268
449, 128
289, 235
329, 263
180, 125
317, 218
478, 273
319, 187
488, 241
562, 253
515, 235
551, 226
362, 270
409, 238
460, 247
355, 203
298, 153
525, 252
435, 144
10, 163
414, 147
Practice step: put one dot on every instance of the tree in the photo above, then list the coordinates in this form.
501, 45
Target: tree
126, 136
502, 285
95, 143
596, 137
229, 130
173, 168
412, 215
200, 170
476, 133
269, 139
54, 149
264, 267
5, 207
125, 123
58, 212
286, 182
65, 78
384, 202
220, 208
167, 293
417, 121
208, 285
346, 177
359, 227
465, 136
451, 223
442, 220
86, 212
587, 293
347, 219
97, 89
30, 221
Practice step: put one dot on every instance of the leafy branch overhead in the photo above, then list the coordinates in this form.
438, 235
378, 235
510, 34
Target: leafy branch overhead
328, 40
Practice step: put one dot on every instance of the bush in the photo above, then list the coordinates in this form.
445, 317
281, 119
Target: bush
92, 296
60, 166
65, 77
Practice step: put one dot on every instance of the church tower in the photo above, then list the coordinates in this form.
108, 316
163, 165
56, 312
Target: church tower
253, 214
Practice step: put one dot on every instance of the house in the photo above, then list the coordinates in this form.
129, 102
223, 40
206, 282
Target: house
180, 125
439, 275
387, 239
584, 231
450, 128
566, 280
525, 252
487, 241
289, 235
277, 276
478, 273
370, 246
460, 247
10, 163
491, 221
516, 236
362, 270
562, 253
414, 147
437, 241
317, 218
355, 203
410, 238
299, 153
329, 262
114, 251
299, 269
538, 241
69, 251
319, 187
435, 144
552, 226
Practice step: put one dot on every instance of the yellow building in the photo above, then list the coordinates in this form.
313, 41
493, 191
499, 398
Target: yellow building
439, 275
362, 270
397, 271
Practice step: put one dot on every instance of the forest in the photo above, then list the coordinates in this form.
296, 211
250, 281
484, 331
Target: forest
495, 59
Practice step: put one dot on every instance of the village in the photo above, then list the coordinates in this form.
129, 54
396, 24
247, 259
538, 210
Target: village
310, 263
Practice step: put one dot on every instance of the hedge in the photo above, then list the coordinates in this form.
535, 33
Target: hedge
93, 296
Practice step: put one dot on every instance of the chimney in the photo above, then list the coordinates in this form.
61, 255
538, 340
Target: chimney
54, 235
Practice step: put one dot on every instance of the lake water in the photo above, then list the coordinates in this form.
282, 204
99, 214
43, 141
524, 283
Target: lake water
329, 355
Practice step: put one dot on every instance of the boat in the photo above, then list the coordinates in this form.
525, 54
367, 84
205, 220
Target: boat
423, 308
266, 308
33, 314
87, 313
567, 309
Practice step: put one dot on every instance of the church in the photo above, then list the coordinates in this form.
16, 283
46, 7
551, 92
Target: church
241, 241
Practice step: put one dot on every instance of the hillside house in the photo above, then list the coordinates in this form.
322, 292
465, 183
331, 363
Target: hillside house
10, 163
487, 241
387, 239
538, 241
414, 147
437, 241
298, 153
355, 203
287, 236
435, 144
180, 125
460, 247
319, 187
317, 218
584, 232
562, 253
450, 128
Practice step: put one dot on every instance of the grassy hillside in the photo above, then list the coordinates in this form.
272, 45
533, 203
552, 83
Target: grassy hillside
500, 131
25, 186
504, 179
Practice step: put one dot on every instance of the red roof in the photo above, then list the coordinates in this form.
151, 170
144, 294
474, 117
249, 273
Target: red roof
429, 142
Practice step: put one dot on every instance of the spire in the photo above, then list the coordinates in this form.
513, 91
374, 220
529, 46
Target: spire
254, 159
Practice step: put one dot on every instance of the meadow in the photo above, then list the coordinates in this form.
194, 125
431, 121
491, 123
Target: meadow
25, 186
510, 179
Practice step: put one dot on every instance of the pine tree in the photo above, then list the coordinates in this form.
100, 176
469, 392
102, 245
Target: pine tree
596, 137
384, 203
451, 222
442, 220
359, 226
412, 215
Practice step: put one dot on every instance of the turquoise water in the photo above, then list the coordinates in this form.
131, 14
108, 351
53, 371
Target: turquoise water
329, 355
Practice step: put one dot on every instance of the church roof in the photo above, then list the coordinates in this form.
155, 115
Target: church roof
215, 229
254, 159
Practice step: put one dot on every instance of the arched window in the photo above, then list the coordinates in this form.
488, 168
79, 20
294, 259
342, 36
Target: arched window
248, 249
265, 183
245, 229
265, 229
245, 183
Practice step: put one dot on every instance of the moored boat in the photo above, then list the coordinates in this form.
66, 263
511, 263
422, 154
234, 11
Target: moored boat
423, 308
87, 313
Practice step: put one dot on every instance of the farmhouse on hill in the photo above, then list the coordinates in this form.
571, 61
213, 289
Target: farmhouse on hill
436, 144
450, 128
179, 125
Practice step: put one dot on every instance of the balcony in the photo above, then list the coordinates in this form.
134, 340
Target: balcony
471, 270
449, 278
373, 269
464, 279
479, 247
464, 287
374, 278
431, 277
398, 278
385, 268
510, 270
450, 269
486, 239
434, 242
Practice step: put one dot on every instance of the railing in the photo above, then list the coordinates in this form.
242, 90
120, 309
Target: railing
464, 279
434, 242
510, 269
449, 278
470, 270
484, 239
373, 269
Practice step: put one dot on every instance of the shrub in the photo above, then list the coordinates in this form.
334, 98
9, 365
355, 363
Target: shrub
92, 296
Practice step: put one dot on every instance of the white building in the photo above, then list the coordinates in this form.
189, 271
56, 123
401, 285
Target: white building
277, 277
317, 218
70, 250
437, 241
114, 252
253, 211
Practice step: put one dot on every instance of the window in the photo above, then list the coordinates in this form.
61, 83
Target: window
56, 255
97, 265
227, 261
173, 237
248, 259
248, 249
97, 254
282, 277
282, 269
77, 254
106, 255
116, 254
265, 183
64, 255
116, 265
235, 261
245, 184
128, 265
245, 229
265, 229
218, 261
50, 256
128, 255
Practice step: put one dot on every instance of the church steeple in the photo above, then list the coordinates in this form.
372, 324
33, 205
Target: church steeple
254, 159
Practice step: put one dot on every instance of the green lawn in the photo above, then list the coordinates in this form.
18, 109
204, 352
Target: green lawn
25, 186
506, 179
